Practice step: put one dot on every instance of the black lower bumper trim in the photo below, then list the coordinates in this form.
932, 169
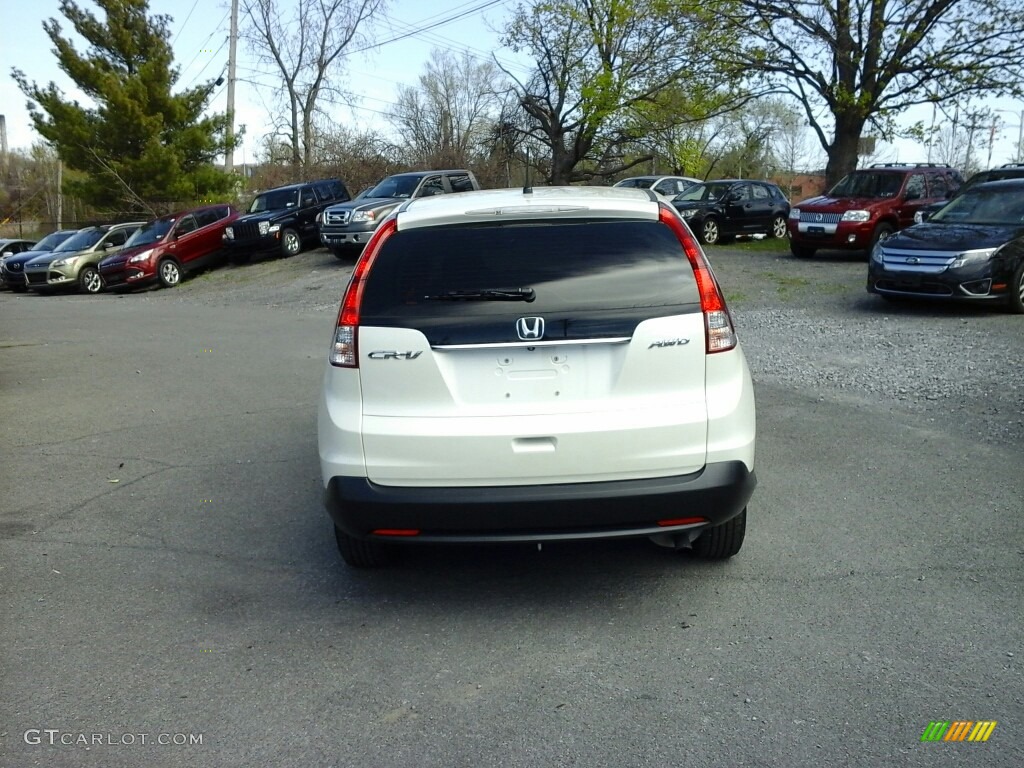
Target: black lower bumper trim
541, 512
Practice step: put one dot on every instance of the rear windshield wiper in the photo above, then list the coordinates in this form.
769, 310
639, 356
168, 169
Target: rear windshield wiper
486, 294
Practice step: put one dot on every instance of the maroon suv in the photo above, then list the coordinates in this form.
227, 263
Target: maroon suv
164, 249
868, 205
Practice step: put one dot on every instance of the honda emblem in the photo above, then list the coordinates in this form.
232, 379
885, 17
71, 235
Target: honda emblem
530, 328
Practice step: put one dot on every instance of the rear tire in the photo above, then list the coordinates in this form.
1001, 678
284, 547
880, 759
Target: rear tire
723, 541
708, 232
801, 251
360, 553
778, 230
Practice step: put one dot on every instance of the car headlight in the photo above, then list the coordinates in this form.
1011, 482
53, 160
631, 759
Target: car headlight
857, 216
140, 256
687, 213
966, 258
264, 227
877, 254
64, 262
361, 217
794, 213
229, 233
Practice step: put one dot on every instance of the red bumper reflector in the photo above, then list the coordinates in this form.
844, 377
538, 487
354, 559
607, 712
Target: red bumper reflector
396, 532
683, 521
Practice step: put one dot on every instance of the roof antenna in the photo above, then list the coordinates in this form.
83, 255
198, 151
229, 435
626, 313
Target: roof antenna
527, 189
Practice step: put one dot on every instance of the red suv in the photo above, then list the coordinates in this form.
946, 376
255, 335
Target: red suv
164, 249
868, 205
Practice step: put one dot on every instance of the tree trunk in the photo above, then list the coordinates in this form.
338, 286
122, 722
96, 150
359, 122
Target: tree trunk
842, 153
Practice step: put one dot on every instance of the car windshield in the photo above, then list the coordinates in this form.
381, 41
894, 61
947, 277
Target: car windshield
275, 200
394, 186
51, 241
703, 193
153, 232
984, 206
868, 184
81, 240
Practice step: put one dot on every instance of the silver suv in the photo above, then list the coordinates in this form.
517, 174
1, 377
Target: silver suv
532, 365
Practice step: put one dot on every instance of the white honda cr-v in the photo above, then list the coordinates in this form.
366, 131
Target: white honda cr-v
534, 365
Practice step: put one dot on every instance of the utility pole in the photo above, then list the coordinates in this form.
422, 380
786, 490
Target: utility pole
3, 144
229, 158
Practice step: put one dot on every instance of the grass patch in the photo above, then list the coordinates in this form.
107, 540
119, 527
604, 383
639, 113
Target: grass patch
777, 247
786, 282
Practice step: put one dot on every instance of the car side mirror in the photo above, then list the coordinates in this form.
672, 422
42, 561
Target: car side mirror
108, 245
5, 254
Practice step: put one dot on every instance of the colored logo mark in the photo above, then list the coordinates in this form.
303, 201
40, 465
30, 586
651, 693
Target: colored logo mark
958, 730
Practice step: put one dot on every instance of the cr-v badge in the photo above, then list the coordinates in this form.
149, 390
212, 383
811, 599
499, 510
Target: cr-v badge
530, 328
389, 355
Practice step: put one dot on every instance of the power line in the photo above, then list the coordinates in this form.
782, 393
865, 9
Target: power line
442, 22
202, 46
184, 23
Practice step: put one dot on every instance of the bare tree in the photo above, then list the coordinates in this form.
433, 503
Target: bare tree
305, 46
601, 63
855, 63
446, 119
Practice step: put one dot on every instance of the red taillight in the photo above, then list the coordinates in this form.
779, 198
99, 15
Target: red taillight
683, 521
396, 532
343, 351
719, 334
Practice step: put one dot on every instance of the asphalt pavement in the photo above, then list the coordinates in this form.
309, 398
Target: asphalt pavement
170, 592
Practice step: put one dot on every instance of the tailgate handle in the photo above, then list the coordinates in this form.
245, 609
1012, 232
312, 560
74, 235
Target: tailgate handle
534, 444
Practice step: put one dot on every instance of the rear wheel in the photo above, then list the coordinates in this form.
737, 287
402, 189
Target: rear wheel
1016, 297
778, 230
801, 251
89, 280
723, 541
709, 232
169, 273
291, 243
360, 553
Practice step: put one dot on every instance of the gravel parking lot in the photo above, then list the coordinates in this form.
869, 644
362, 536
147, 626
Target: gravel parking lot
167, 569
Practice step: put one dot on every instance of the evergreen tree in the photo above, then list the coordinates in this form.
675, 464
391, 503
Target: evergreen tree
139, 143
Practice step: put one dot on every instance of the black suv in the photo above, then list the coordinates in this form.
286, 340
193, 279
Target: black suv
282, 220
1007, 171
346, 228
719, 210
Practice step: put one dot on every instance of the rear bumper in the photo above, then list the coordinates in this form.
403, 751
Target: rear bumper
615, 509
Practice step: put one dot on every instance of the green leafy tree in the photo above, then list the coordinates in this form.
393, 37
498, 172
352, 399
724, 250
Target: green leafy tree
858, 63
601, 67
139, 143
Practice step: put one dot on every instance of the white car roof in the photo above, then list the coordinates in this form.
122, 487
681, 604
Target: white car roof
541, 202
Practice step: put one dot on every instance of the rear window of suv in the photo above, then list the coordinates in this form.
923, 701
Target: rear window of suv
592, 279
